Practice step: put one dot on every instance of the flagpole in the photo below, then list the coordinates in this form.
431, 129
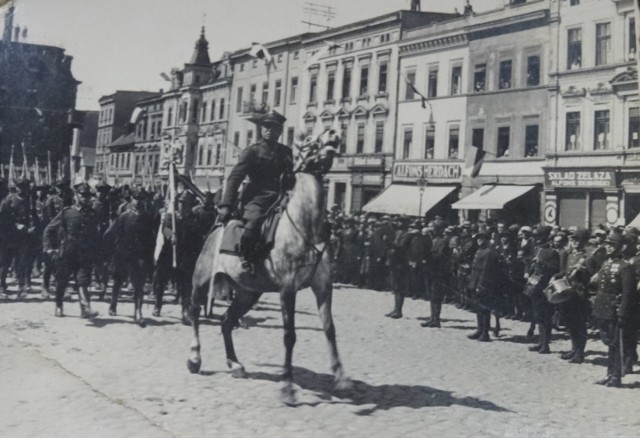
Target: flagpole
172, 210
25, 165
49, 168
12, 169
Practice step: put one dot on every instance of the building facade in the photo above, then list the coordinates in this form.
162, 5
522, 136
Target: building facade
592, 171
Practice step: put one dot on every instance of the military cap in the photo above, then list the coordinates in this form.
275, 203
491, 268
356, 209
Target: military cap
633, 230
187, 197
465, 224
615, 239
526, 229
581, 235
599, 232
83, 189
449, 229
386, 217
514, 228
139, 193
273, 118
101, 185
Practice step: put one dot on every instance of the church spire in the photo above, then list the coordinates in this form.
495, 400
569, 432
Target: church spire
201, 52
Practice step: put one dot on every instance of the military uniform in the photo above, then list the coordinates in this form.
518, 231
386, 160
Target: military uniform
439, 276
613, 308
73, 233
102, 207
544, 266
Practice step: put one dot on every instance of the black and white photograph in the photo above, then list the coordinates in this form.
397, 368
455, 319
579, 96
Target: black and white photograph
319, 218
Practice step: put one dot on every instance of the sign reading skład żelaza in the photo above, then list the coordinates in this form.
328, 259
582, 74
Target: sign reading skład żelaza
431, 172
559, 178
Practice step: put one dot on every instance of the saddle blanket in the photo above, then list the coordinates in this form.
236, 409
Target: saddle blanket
231, 238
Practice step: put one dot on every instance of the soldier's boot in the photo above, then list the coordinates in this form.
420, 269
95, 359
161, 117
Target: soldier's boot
614, 382
569, 354
435, 314
478, 332
545, 338
59, 312
604, 381
397, 308
486, 326
578, 357
628, 365
115, 294
85, 304
45, 293
3, 293
22, 293
496, 330
248, 243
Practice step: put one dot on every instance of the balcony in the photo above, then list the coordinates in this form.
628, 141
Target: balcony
254, 106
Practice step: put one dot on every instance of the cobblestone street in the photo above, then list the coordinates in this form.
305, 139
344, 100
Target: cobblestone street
109, 377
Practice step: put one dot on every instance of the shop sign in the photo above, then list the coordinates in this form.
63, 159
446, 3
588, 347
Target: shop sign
429, 171
367, 179
366, 161
561, 178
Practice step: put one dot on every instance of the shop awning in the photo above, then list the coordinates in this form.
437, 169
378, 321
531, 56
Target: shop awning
491, 197
405, 199
635, 223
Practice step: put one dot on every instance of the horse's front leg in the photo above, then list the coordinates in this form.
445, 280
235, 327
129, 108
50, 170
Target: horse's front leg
243, 302
288, 304
323, 290
195, 361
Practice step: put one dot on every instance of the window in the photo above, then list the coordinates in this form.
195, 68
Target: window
634, 127
479, 77
239, 100
296, 54
632, 38
236, 139
407, 143
346, 83
331, 83
456, 80
241, 67
252, 94
200, 154
194, 111
503, 141
379, 137
573, 131
531, 141
574, 49
170, 116
477, 138
249, 137
313, 88
601, 130
574, 2
290, 136
218, 154
432, 82
430, 142
454, 141
364, 80
344, 135
382, 77
360, 142
212, 116
204, 111
603, 43
221, 115
183, 111
294, 89
153, 130
411, 80
533, 70
278, 93
209, 154
505, 74
265, 93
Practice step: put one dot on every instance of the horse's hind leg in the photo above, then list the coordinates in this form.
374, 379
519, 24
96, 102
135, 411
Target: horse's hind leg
288, 304
195, 361
323, 291
243, 301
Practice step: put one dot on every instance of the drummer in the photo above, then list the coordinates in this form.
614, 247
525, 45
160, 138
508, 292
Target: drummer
576, 310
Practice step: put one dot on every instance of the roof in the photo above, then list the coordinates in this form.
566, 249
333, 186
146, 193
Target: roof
124, 140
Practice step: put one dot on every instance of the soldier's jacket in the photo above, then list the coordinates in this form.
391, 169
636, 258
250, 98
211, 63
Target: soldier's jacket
188, 242
440, 257
616, 290
486, 272
73, 230
264, 165
17, 217
102, 208
52, 206
545, 265
205, 218
419, 251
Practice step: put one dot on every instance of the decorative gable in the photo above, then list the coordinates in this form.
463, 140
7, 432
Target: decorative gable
379, 110
360, 112
326, 115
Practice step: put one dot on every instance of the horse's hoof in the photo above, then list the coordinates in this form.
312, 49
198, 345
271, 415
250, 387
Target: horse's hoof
239, 373
288, 395
343, 384
141, 322
194, 367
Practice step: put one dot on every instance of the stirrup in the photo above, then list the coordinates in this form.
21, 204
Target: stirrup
247, 265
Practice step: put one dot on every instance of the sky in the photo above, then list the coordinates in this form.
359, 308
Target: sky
126, 44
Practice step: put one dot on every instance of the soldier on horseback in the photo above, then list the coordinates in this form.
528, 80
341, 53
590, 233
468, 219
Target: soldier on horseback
264, 163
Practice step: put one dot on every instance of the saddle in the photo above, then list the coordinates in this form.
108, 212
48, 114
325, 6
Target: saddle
233, 231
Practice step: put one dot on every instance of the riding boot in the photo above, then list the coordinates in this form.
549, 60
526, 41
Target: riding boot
114, 298
496, 330
478, 332
436, 307
85, 303
486, 326
545, 338
248, 243
569, 354
397, 308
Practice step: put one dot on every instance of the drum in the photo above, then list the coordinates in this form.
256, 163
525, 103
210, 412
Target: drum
559, 291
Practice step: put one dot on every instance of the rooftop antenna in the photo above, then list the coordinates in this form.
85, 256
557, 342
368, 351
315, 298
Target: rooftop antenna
318, 11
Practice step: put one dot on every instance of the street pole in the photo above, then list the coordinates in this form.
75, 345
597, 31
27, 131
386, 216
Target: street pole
422, 185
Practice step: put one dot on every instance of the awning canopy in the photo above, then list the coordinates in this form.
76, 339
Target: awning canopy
405, 199
491, 197
635, 223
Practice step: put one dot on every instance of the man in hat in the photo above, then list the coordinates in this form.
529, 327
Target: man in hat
50, 209
206, 214
613, 305
188, 244
102, 206
70, 238
133, 237
264, 163
463, 258
18, 223
439, 272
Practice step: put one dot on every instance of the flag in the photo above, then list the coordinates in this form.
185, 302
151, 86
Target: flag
478, 154
260, 52
415, 90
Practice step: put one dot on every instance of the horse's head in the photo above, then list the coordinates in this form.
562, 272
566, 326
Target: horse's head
316, 154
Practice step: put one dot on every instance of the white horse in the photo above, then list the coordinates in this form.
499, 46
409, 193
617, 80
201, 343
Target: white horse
299, 258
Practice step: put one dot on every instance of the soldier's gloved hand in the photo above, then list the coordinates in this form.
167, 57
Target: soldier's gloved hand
224, 214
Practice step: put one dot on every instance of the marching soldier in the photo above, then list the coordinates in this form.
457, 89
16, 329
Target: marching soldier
18, 221
440, 257
613, 305
133, 237
70, 238
102, 206
51, 208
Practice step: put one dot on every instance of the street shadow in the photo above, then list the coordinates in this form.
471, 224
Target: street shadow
519, 339
462, 327
424, 318
264, 307
372, 398
104, 322
315, 329
634, 385
598, 361
595, 353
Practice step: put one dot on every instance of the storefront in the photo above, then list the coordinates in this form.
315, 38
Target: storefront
582, 197
423, 189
